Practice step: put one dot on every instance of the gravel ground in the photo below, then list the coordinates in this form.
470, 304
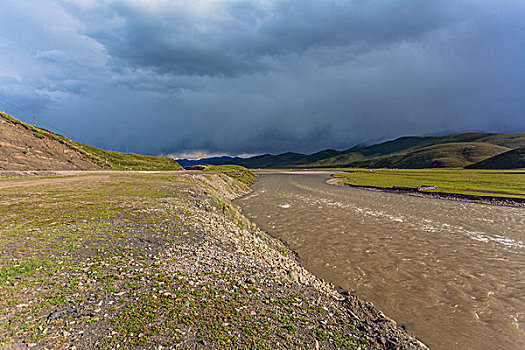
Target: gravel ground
162, 261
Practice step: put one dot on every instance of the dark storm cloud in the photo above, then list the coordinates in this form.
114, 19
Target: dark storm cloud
248, 38
237, 76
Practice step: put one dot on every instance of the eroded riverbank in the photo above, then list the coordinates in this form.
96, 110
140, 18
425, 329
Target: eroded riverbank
151, 260
450, 271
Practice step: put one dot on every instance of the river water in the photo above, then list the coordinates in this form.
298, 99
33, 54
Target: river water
451, 272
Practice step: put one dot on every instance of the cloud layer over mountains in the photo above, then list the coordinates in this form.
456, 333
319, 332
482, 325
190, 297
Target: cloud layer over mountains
238, 76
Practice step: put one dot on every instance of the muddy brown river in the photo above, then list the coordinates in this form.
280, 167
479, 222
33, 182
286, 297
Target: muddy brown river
451, 272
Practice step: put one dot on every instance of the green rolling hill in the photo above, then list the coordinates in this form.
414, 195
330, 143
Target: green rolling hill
514, 159
458, 150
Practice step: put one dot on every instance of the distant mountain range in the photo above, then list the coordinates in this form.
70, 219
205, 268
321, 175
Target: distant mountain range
472, 150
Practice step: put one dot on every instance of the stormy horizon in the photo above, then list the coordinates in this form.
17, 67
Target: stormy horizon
235, 77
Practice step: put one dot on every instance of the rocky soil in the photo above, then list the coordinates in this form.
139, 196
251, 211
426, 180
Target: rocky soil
162, 261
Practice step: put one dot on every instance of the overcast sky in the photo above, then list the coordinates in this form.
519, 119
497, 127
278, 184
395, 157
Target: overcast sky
235, 76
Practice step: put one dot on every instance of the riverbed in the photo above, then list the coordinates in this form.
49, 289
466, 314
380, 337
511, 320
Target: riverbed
450, 272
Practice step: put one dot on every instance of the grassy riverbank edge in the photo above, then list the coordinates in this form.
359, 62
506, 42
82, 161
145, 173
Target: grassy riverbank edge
483, 186
144, 260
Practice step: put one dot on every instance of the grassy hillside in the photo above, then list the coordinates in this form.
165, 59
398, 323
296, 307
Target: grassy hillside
125, 161
102, 158
482, 183
512, 141
514, 159
449, 155
395, 146
458, 150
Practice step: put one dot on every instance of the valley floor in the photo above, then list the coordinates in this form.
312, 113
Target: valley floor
161, 260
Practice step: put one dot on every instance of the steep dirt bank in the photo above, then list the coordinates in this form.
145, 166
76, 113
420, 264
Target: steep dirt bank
24, 149
162, 260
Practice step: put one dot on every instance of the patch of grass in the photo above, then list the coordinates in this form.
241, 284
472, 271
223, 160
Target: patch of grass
236, 172
454, 181
12, 270
92, 320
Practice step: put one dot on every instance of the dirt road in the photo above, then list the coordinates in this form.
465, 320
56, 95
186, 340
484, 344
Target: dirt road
11, 179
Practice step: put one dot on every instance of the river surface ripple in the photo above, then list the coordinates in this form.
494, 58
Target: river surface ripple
451, 272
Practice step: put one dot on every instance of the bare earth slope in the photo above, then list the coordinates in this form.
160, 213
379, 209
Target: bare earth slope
26, 147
